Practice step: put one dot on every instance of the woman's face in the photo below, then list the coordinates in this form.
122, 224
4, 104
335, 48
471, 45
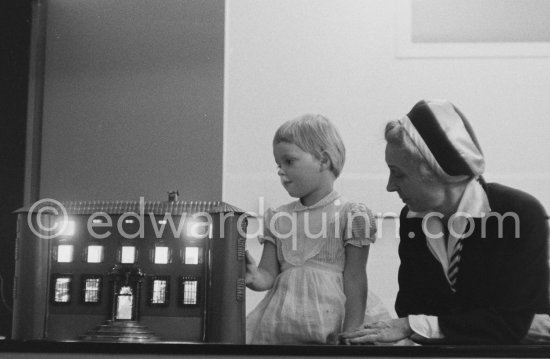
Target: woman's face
405, 179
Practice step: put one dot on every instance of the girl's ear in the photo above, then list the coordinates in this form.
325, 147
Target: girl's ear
326, 162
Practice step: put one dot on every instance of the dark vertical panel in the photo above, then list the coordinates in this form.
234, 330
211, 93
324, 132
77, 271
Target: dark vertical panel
35, 101
15, 17
133, 99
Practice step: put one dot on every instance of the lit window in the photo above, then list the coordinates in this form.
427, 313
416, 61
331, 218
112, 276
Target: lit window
191, 255
161, 255
65, 253
95, 254
62, 290
159, 291
129, 221
128, 254
96, 221
162, 221
91, 290
190, 292
66, 227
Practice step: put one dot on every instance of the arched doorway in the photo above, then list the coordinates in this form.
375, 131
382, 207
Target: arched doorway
126, 282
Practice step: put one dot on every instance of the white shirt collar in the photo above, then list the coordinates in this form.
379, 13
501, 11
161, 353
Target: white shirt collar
474, 203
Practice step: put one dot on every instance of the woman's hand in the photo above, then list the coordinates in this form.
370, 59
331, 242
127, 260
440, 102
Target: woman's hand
380, 332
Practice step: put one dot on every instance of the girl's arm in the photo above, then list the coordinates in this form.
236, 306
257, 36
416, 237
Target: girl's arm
355, 286
262, 277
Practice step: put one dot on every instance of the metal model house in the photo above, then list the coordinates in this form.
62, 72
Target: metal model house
130, 271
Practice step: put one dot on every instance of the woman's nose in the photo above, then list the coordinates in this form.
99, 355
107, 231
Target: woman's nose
280, 171
391, 187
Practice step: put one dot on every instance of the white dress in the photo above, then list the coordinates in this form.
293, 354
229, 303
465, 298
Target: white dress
306, 303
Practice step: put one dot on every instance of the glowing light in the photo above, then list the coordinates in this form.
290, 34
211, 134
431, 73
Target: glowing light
161, 255
128, 254
91, 294
197, 229
192, 255
65, 253
159, 291
62, 293
68, 227
190, 292
95, 254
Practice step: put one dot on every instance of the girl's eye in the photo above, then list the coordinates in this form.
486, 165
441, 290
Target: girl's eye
289, 162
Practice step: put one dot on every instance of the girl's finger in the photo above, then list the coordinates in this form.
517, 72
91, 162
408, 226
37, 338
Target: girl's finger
249, 258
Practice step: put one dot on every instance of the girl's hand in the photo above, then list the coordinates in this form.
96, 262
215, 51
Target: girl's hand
261, 277
251, 269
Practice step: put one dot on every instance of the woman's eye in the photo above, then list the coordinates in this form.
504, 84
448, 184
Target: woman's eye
289, 162
396, 174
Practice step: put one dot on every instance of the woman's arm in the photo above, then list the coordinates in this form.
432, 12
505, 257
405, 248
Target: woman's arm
355, 286
262, 277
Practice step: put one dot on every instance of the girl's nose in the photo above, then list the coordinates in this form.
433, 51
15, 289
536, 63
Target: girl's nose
280, 171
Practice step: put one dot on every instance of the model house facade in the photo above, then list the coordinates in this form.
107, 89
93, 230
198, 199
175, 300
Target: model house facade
151, 271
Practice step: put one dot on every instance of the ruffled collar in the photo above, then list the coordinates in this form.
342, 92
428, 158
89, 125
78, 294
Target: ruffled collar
331, 197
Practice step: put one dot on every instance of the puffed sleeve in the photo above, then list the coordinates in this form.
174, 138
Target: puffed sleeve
268, 230
360, 226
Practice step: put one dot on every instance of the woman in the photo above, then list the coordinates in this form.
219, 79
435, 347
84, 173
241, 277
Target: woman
474, 256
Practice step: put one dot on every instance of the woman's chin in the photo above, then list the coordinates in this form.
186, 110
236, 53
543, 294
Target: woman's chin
417, 209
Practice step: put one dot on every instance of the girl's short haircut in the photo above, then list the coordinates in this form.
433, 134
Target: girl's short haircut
396, 134
314, 134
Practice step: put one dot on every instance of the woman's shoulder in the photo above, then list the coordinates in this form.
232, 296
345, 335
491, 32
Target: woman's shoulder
508, 199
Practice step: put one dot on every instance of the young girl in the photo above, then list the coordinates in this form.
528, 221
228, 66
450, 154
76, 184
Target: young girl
315, 249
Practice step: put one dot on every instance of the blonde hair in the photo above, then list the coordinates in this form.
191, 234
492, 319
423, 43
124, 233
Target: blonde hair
316, 135
396, 134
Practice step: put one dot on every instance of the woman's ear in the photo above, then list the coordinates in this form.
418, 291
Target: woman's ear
326, 162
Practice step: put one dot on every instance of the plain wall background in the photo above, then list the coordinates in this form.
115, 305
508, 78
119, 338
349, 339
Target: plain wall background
285, 58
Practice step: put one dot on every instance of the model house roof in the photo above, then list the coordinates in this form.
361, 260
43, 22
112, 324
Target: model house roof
120, 207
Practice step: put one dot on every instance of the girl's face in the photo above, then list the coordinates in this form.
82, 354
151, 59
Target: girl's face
405, 179
300, 171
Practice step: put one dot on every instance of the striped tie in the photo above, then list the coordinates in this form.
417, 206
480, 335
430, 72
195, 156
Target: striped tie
452, 272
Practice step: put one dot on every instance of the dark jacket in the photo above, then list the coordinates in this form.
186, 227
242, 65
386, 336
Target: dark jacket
502, 281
